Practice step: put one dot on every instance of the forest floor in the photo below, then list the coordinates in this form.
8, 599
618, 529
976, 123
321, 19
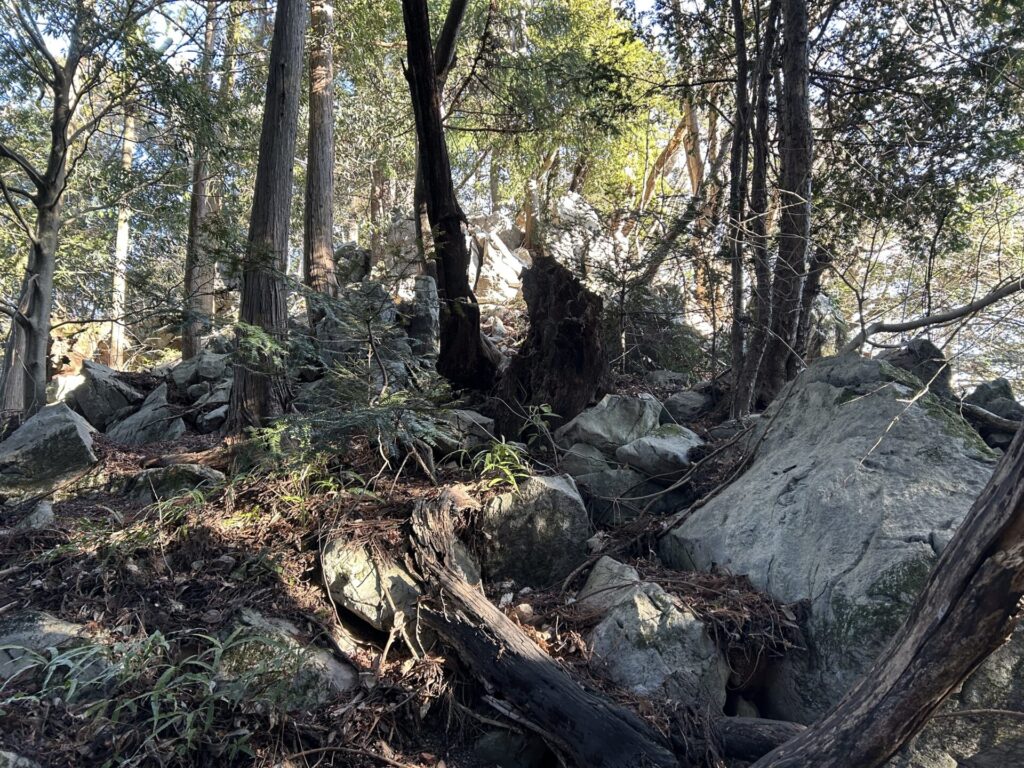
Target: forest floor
178, 574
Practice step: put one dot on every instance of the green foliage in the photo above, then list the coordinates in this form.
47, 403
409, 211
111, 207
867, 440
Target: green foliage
502, 464
156, 703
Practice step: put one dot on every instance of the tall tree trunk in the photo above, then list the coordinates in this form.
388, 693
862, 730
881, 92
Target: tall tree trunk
119, 291
760, 310
260, 390
968, 609
795, 153
738, 189
378, 209
318, 242
199, 270
464, 358
24, 374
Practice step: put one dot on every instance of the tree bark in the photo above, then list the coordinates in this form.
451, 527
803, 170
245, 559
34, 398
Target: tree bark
260, 389
198, 272
760, 309
795, 153
738, 190
968, 609
464, 358
318, 240
118, 298
562, 362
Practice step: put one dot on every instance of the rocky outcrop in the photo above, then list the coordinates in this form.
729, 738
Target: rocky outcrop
102, 395
613, 422
648, 643
854, 490
51, 446
663, 454
25, 635
535, 535
684, 407
926, 362
583, 459
156, 421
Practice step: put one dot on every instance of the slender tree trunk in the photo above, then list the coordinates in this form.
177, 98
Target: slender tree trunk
738, 189
198, 272
119, 293
24, 374
760, 310
378, 209
464, 359
494, 182
795, 152
968, 609
318, 243
260, 390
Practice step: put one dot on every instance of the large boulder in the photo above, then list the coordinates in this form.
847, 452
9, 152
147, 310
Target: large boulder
154, 422
925, 361
583, 459
617, 496
425, 317
536, 534
648, 643
48, 448
613, 422
102, 394
663, 454
684, 407
852, 494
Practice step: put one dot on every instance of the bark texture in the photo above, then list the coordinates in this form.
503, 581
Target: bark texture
119, 287
464, 359
968, 609
318, 243
562, 362
199, 268
795, 153
260, 390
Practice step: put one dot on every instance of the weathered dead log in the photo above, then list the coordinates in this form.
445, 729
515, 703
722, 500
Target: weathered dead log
748, 738
562, 362
968, 609
587, 729
981, 417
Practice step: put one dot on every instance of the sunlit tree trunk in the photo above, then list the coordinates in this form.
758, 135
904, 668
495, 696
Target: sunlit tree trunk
118, 298
200, 270
318, 243
260, 389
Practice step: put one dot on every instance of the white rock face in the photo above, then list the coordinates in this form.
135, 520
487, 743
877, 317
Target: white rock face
664, 454
49, 447
649, 644
537, 535
852, 493
613, 422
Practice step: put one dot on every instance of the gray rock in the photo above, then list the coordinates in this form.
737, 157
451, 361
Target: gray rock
166, 482
102, 394
732, 427
987, 392
213, 420
13, 760
277, 645
425, 318
536, 535
684, 407
852, 491
664, 454
925, 361
613, 422
472, 431
40, 517
649, 644
154, 422
219, 394
198, 390
51, 446
616, 496
211, 366
27, 635
374, 589
583, 459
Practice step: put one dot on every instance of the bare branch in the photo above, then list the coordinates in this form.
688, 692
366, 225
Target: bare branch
1007, 289
24, 164
15, 210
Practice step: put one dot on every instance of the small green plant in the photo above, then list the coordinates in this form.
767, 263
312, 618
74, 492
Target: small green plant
501, 464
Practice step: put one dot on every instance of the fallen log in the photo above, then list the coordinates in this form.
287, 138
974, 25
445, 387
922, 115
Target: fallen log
982, 417
586, 728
